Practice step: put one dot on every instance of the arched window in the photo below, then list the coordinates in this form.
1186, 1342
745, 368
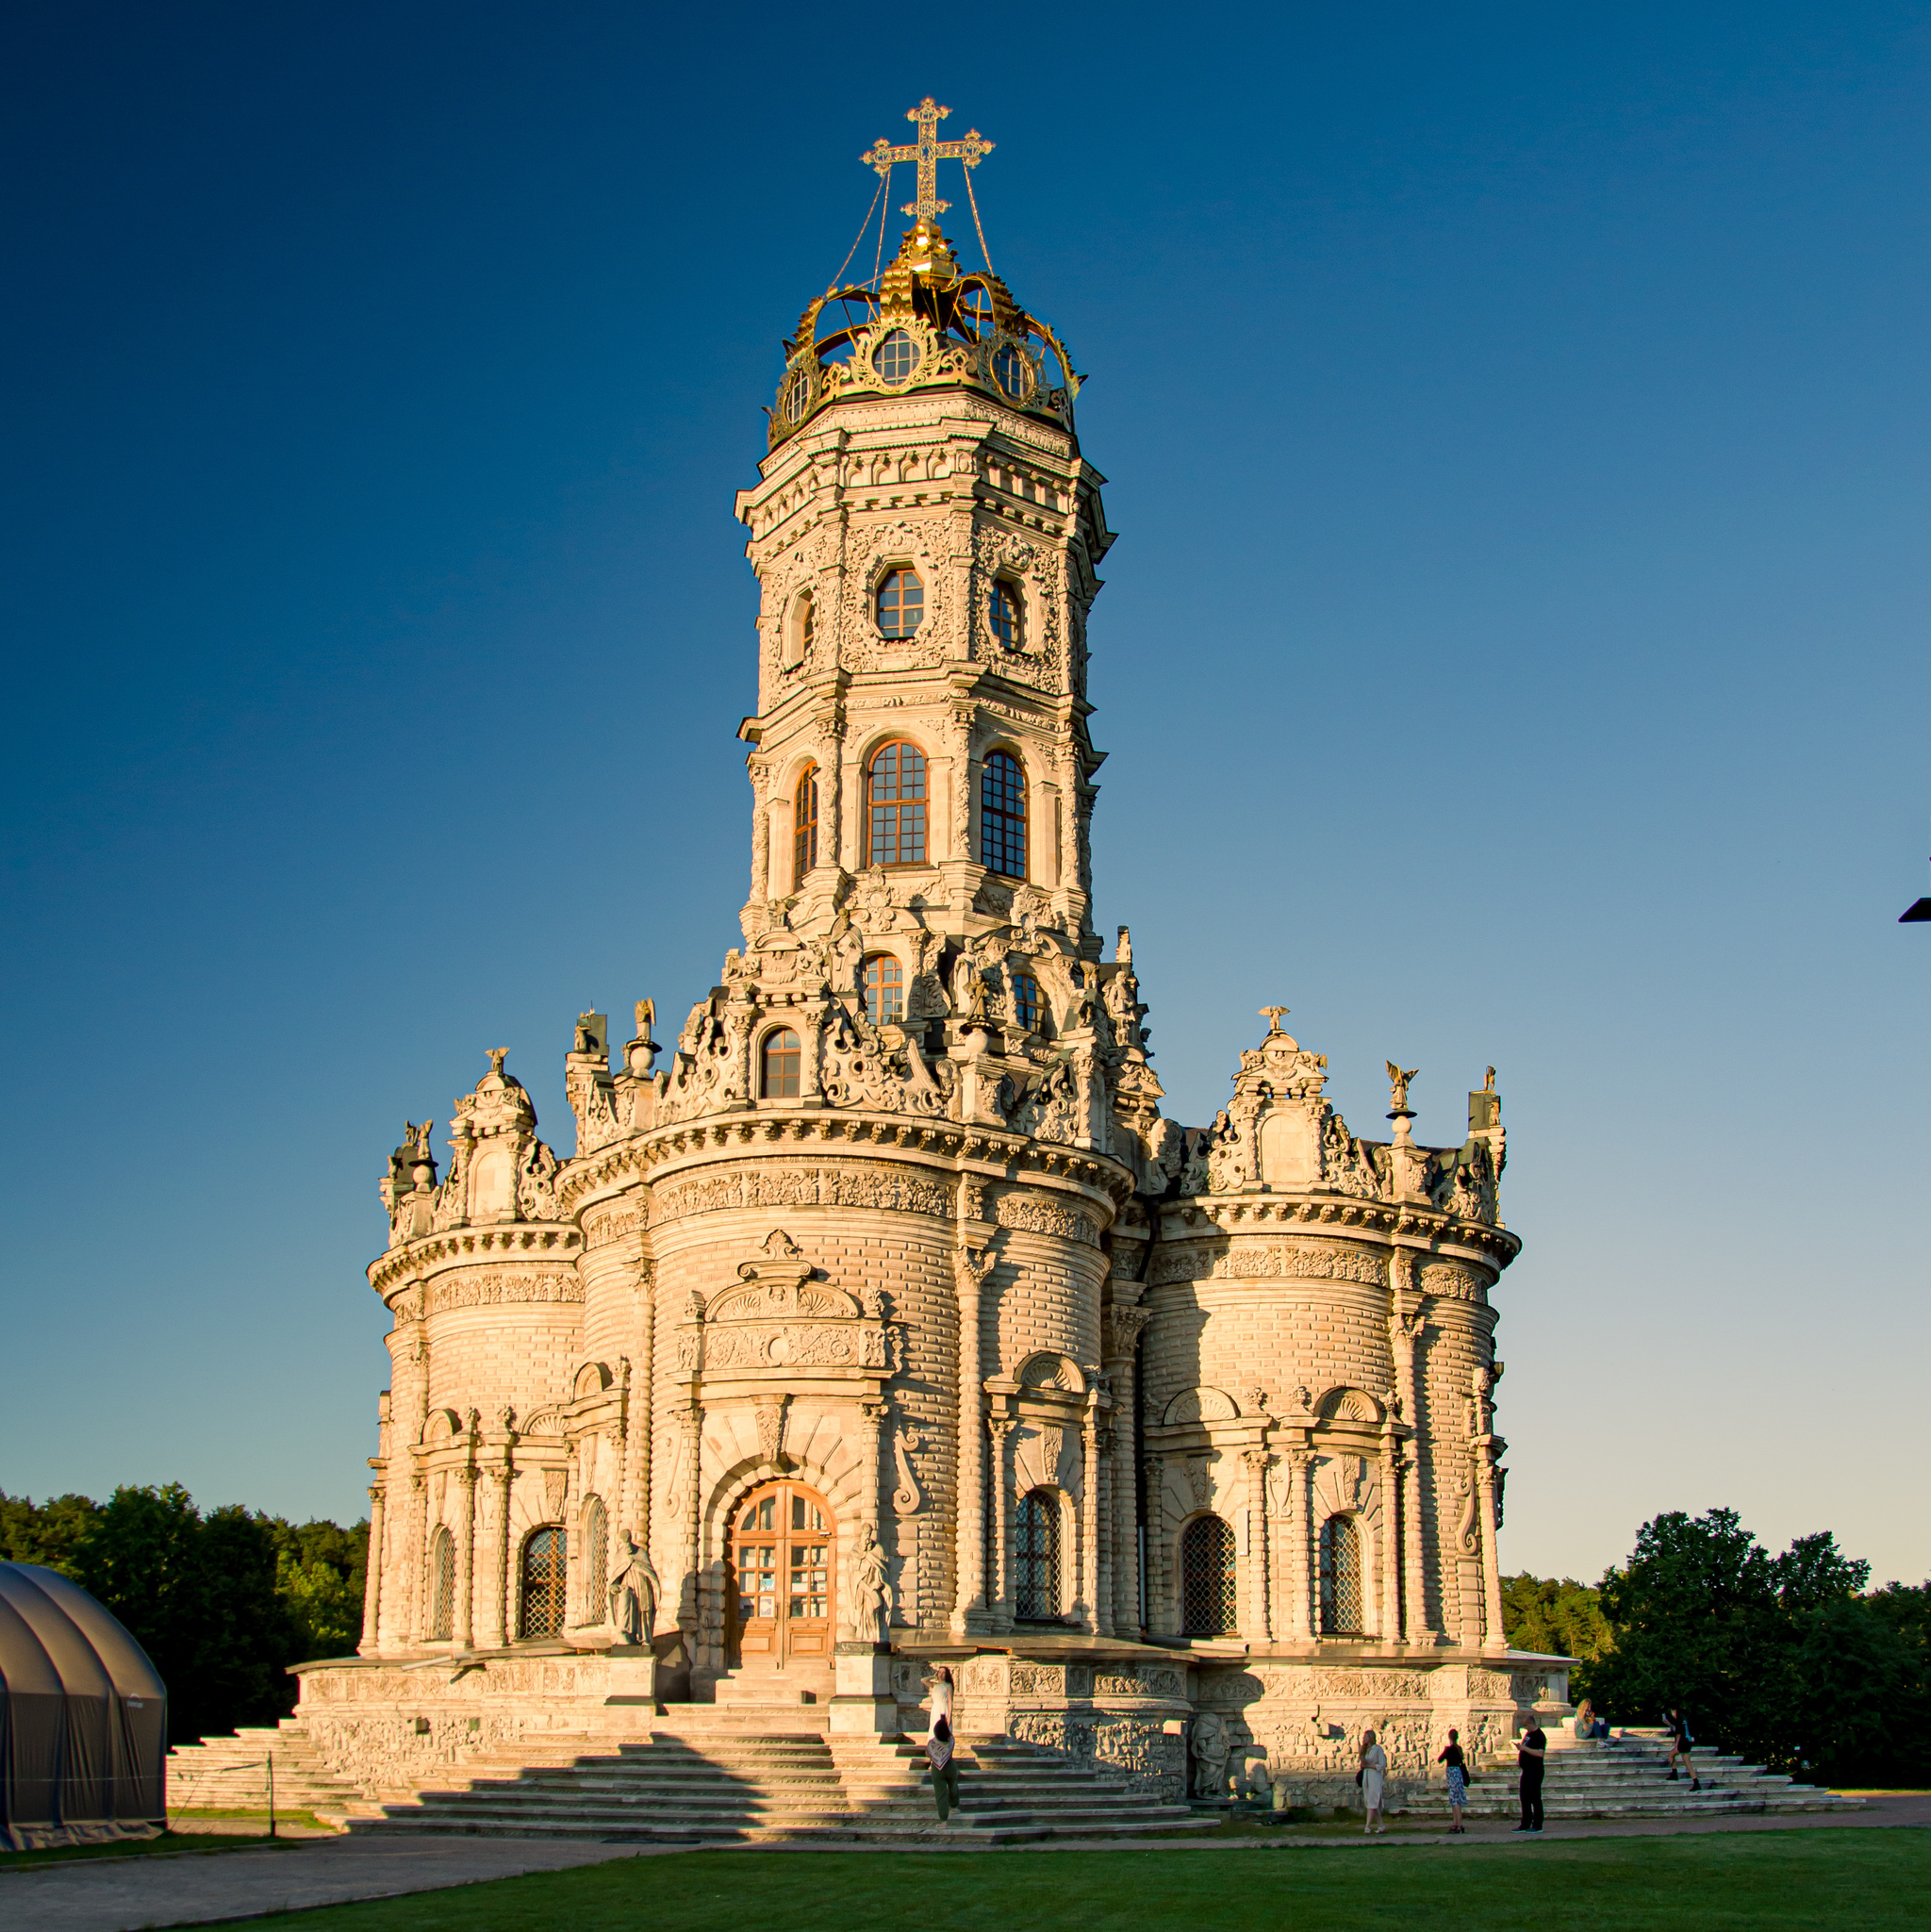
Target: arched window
1026, 1002
442, 1586
593, 1544
540, 1602
1002, 612
901, 602
1340, 1578
1207, 1598
1036, 1554
804, 827
895, 805
1003, 814
783, 1058
885, 989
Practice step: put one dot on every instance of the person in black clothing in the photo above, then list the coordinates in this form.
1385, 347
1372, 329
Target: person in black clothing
1530, 1748
1680, 1742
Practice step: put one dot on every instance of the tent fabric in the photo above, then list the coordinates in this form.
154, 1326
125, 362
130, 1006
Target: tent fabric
83, 1718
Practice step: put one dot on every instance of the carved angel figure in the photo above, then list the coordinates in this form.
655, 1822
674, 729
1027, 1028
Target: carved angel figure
634, 1592
1398, 1084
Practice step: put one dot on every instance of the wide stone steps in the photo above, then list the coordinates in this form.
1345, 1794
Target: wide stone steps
228, 1773
711, 1782
1628, 1778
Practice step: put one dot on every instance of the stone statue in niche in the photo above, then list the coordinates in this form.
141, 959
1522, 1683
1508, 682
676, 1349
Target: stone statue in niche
634, 1594
1209, 1746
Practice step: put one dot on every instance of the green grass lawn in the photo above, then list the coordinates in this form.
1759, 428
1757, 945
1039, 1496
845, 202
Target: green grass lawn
1785, 1880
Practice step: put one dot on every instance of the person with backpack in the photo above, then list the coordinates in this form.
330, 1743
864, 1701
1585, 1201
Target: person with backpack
945, 1769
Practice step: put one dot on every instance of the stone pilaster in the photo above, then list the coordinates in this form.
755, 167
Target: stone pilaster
1300, 1579
1391, 1536
498, 1624
1089, 1516
1000, 1427
464, 1622
1124, 1327
970, 1268
1256, 1620
371, 1586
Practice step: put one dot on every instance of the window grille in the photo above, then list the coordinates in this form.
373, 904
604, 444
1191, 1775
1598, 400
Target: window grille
1027, 1004
1002, 613
442, 1586
594, 1544
885, 989
1036, 1554
1340, 1578
896, 358
804, 827
895, 806
1002, 815
783, 1055
901, 602
1207, 1590
545, 1575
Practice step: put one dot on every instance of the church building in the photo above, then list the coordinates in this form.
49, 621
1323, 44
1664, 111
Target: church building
880, 1318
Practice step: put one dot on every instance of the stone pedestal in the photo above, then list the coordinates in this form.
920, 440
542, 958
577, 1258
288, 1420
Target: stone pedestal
863, 1702
631, 1699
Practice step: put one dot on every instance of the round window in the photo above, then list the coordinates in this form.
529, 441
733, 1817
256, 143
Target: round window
1012, 371
896, 358
794, 397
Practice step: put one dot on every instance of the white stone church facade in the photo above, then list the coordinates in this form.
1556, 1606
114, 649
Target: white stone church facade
882, 1310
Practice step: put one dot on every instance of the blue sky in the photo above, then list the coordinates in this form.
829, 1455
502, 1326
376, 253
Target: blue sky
1514, 651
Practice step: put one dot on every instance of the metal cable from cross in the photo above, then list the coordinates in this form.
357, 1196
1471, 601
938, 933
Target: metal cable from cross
928, 152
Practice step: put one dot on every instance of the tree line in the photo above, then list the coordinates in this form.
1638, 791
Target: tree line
223, 1600
1788, 1659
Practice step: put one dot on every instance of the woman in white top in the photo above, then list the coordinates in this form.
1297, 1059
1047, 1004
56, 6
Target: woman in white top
1374, 1771
941, 1697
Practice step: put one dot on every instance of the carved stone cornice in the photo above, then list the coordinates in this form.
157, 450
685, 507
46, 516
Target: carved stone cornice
421, 1257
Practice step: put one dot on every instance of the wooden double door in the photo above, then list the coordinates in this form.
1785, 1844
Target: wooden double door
783, 1544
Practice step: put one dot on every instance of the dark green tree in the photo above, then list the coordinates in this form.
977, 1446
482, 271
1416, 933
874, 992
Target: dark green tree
224, 1602
1557, 1618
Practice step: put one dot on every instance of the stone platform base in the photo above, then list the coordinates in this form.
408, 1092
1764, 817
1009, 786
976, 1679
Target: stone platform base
1175, 1722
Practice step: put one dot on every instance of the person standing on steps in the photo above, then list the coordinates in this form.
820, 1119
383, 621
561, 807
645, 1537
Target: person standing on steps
1681, 1744
1373, 1772
945, 1771
1456, 1763
941, 1687
1529, 1750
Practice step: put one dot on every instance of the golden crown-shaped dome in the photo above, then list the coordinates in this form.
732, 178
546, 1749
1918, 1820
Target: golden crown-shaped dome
923, 322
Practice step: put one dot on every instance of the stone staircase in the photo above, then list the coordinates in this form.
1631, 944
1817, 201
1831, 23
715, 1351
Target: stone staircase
1628, 1777
749, 1772
228, 1773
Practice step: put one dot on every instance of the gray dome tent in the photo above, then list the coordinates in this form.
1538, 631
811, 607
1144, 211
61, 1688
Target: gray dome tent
83, 1718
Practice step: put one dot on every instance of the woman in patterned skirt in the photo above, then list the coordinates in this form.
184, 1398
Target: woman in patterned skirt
1457, 1779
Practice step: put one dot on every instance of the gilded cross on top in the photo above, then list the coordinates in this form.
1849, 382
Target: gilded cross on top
929, 151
